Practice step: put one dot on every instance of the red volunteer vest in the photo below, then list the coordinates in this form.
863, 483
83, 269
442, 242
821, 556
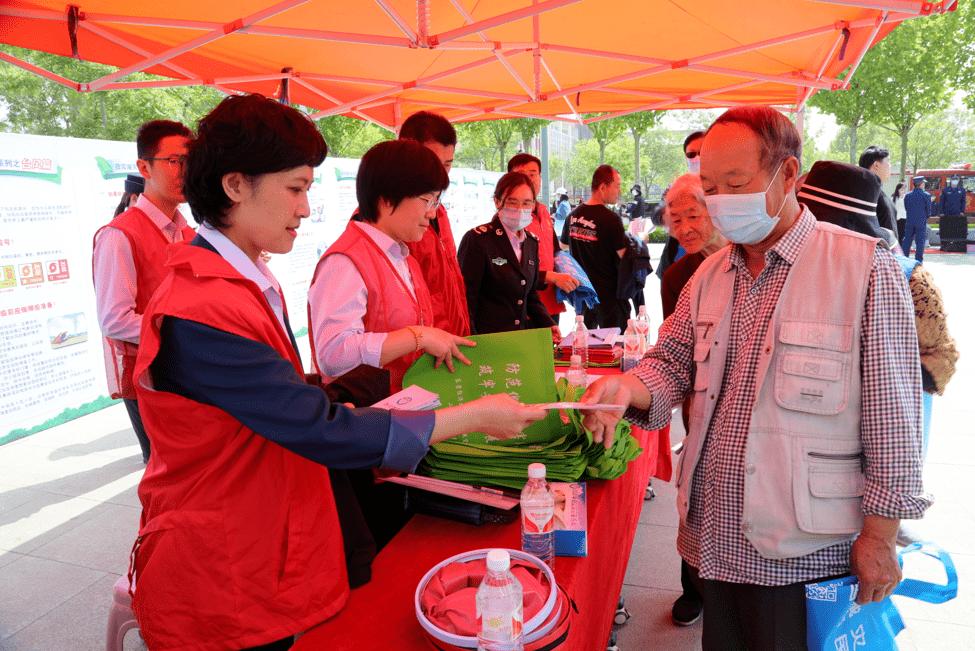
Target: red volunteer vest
148, 245
542, 226
390, 306
239, 542
436, 256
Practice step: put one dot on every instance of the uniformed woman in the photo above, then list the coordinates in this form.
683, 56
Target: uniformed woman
499, 261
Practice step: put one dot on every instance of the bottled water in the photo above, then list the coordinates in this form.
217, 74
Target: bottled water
538, 516
642, 326
632, 348
576, 377
499, 606
580, 341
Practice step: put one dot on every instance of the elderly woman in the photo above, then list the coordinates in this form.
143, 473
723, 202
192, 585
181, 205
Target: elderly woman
369, 306
499, 261
687, 215
239, 545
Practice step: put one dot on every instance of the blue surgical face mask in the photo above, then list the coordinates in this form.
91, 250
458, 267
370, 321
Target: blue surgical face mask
694, 164
515, 219
743, 218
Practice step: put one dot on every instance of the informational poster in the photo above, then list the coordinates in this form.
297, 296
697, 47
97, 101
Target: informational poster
55, 193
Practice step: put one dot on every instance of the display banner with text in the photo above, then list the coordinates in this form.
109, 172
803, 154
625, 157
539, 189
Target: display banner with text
54, 194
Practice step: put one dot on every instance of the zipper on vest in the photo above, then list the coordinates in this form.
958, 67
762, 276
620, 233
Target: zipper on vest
850, 456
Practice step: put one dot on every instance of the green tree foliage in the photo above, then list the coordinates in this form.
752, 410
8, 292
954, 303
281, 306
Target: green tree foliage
851, 107
663, 152
38, 106
502, 131
475, 147
638, 124
529, 128
605, 132
350, 137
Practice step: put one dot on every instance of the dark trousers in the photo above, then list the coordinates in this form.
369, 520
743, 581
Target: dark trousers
132, 406
747, 617
916, 233
280, 645
612, 313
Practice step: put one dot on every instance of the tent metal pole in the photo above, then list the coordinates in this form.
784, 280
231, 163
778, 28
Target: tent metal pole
114, 38
309, 87
502, 19
399, 20
866, 47
572, 109
903, 6
229, 28
41, 72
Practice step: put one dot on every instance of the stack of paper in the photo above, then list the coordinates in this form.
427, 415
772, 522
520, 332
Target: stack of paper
602, 348
517, 363
412, 398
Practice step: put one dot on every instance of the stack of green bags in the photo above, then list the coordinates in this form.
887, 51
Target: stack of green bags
519, 363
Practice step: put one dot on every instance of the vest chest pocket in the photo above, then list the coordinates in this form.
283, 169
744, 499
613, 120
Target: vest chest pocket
813, 370
704, 335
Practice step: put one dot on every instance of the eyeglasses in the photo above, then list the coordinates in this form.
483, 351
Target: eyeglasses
692, 154
514, 204
175, 162
432, 202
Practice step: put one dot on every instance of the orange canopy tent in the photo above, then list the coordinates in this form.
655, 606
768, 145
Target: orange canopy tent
381, 60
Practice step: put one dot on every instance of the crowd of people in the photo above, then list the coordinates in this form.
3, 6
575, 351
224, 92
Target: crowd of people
799, 344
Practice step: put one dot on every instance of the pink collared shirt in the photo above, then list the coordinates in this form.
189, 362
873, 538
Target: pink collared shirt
115, 277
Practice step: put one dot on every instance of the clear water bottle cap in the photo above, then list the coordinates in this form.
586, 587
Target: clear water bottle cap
578, 318
536, 471
631, 323
498, 560
643, 308
575, 359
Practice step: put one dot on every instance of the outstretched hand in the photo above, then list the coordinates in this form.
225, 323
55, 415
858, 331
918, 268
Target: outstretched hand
611, 390
504, 417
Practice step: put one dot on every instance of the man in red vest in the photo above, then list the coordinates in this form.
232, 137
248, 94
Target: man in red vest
436, 253
129, 255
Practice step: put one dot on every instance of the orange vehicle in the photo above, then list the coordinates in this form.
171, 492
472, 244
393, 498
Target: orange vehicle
937, 180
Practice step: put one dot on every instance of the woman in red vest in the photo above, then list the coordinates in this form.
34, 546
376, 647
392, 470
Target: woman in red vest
369, 306
239, 545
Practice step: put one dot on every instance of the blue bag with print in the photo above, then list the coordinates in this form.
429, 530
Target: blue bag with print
834, 621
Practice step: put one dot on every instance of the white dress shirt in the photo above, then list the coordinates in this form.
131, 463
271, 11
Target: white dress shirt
338, 299
116, 284
515, 239
258, 273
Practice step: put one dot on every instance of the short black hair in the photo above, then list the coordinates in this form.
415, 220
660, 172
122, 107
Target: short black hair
691, 138
394, 170
523, 159
424, 126
249, 134
150, 133
603, 174
509, 182
873, 154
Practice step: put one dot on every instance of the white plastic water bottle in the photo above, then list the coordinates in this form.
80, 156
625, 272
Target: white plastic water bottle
538, 516
580, 341
642, 326
499, 606
576, 376
632, 346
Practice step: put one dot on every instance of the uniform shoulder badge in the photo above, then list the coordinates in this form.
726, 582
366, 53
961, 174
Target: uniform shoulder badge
481, 229
531, 235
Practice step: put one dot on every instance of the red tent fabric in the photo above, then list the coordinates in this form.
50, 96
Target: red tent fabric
382, 60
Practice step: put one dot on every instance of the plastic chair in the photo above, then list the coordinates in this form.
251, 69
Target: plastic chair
120, 617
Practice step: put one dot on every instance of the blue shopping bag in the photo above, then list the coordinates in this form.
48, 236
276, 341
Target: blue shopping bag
834, 621
583, 296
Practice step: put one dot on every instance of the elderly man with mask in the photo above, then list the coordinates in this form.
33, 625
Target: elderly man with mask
797, 345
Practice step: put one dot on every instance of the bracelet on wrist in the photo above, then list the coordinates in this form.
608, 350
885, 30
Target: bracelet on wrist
416, 335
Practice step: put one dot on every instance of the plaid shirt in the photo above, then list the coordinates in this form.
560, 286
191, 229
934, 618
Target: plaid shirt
711, 538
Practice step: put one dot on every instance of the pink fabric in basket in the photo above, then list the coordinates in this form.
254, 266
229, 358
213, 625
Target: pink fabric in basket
449, 598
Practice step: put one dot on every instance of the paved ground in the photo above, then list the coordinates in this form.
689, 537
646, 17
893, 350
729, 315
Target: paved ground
69, 514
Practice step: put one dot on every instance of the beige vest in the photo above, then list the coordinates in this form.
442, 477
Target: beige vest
803, 473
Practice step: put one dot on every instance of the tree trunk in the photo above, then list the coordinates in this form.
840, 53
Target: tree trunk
101, 99
853, 143
905, 133
636, 158
602, 152
525, 144
502, 147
